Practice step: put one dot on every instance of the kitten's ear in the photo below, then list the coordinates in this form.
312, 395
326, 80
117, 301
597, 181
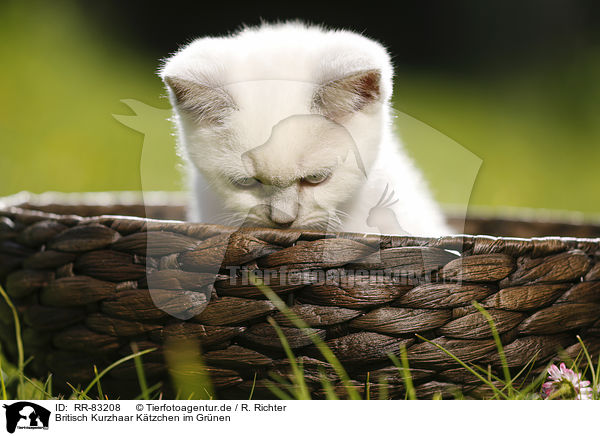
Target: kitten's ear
203, 103
349, 94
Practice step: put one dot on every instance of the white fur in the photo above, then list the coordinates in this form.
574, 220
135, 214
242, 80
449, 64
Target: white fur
272, 73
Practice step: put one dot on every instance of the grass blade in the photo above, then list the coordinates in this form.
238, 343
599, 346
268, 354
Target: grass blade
36, 385
151, 389
464, 365
298, 375
2, 385
187, 369
496, 335
329, 356
18, 338
48, 387
277, 391
253, 386
383, 388
596, 382
139, 369
588, 357
327, 386
111, 366
79, 394
100, 393
404, 372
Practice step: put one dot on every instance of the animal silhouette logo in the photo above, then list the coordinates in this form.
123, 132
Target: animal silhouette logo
383, 216
26, 415
191, 298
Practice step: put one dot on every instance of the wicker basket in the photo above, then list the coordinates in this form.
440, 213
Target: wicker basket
81, 285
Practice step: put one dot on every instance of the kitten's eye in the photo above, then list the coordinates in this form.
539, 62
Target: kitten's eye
315, 179
245, 182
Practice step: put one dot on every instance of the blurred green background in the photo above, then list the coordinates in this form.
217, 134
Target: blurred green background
535, 124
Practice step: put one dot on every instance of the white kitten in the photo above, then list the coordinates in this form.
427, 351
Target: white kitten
288, 125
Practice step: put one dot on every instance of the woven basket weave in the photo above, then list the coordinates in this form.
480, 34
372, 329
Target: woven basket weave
81, 287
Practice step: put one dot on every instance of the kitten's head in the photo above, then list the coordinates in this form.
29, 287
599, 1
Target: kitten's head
282, 121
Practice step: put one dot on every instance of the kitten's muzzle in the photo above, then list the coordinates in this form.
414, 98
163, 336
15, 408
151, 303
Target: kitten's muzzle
283, 207
281, 218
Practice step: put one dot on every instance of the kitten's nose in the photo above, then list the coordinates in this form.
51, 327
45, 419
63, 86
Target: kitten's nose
283, 208
281, 218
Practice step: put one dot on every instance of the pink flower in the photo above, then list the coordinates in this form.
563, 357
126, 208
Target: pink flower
565, 384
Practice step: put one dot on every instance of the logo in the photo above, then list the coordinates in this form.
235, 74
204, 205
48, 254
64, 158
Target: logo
26, 415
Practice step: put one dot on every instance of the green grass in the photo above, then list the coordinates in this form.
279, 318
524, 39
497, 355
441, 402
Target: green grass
536, 131
61, 83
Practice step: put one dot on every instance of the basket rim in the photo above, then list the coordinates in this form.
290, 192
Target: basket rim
180, 198
476, 244
24, 204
